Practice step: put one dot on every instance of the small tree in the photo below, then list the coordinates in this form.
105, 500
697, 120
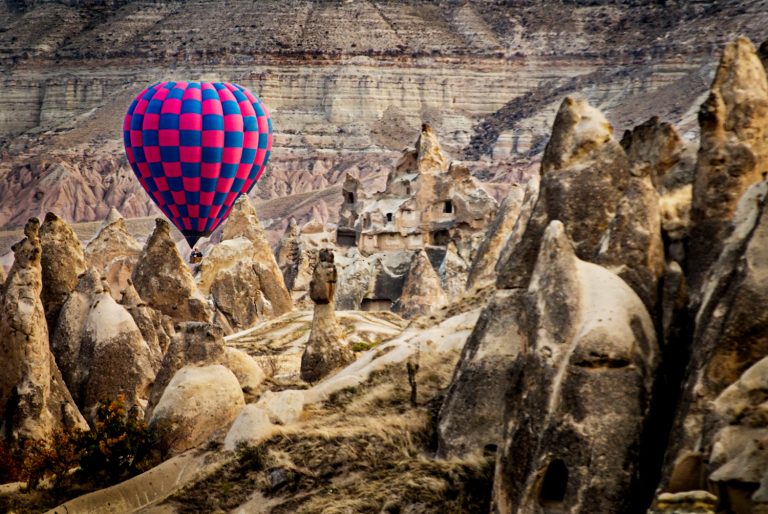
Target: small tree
53, 459
119, 445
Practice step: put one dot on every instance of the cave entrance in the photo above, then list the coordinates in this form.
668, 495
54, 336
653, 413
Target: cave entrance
440, 237
350, 196
346, 237
448, 207
554, 486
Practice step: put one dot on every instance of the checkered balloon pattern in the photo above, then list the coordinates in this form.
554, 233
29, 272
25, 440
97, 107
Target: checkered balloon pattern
195, 147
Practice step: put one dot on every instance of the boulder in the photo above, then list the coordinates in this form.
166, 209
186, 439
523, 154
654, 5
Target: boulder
422, 291
282, 407
688, 502
197, 403
202, 344
165, 282
733, 153
34, 400
580, 389
325, 350
62, 261
251, 427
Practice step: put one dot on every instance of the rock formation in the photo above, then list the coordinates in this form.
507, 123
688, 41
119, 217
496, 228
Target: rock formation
484, 266
156, 328
422, 292
582, 387
729, 335
241, 273
62, 262
325, 349
101, 349
197, 402
202, 344
33, 398
114, 252
164, 281
733, 152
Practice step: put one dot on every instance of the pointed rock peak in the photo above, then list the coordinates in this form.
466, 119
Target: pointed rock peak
243, 221
740, 76
292, 230
114, 216
578, 130
555, 244
130, 297
422, 290
89, 282
32, 227
430, 156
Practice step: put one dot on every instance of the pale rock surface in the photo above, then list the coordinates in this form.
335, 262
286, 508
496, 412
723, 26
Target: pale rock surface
581, 386
202, 344
483, 266
101, 351
197, 402
282, 407
422, 291
688, 502
582, 160
62, 261
453, 272
326, 350
156, 328
34, 401
114, 252
165, 282
729, 336
251, 427
733, 154
243, 222
246, 369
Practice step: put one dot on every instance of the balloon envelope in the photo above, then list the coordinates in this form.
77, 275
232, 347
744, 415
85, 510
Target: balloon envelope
195, 147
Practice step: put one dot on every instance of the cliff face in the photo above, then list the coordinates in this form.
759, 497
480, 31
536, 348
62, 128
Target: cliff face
348, 85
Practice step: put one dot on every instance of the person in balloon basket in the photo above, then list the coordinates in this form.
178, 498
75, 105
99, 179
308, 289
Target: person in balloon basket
196, 256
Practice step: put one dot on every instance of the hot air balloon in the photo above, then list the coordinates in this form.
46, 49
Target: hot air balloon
195, 148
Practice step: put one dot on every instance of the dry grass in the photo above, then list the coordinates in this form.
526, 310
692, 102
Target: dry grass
364, 450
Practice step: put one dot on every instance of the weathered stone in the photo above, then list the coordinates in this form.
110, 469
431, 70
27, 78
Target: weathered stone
62, 262
33, 398
730, 335
653, 149
453, 272
580, 387
733, 154
197, 402
581, 161
251, 427
114, 252
156, 328
282, 407
164, 281
102, 352
422, 291
483, 269
689, 502
632, 246
243, 222
202, 344
325, 350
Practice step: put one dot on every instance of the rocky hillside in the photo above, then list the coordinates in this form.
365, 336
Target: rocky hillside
348, 83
